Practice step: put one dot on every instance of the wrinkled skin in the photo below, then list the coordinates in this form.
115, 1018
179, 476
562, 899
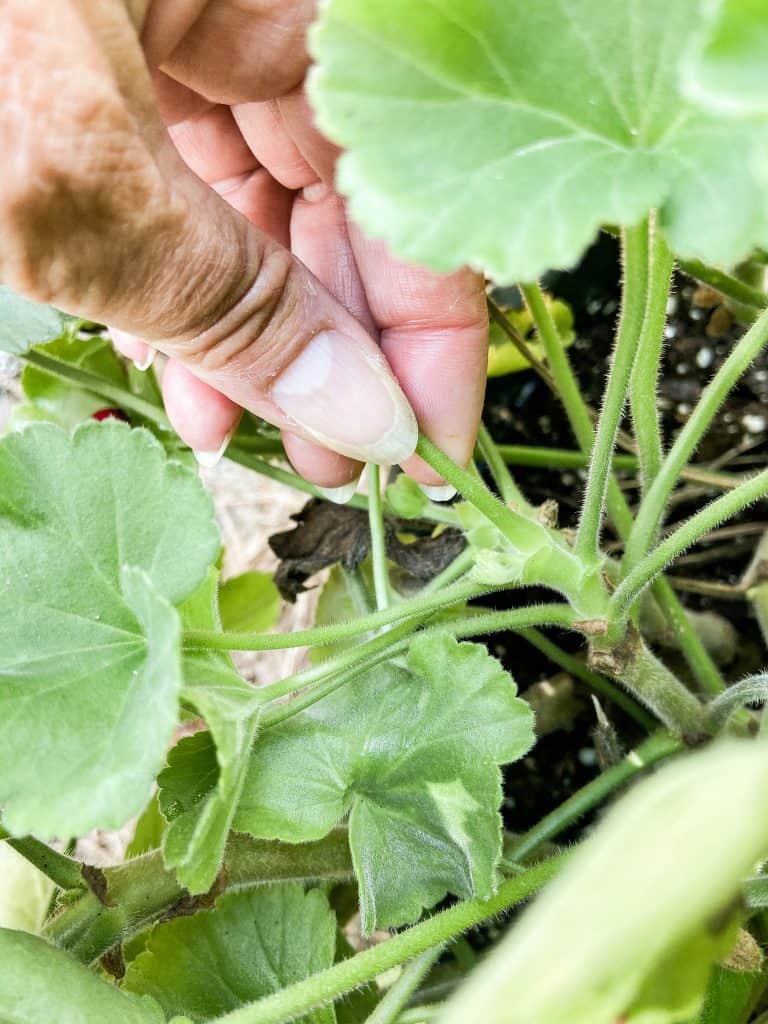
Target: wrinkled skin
160, 165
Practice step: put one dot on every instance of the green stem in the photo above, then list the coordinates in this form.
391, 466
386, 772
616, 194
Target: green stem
143, 890
324, 987
458, 567
642, 392
699, 659
503, 479
388, 1010
635, 257
378, 542
320, 636
700, 662
656, 748
727, 284
556, 458
597, 683
96, 385
320, 680
63, 871
724, 507
652, 507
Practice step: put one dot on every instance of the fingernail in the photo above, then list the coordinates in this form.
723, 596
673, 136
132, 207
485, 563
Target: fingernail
145, 363
444, 493
340, 495
346, 399
210, 459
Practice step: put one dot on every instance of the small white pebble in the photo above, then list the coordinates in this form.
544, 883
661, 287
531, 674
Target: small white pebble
704, 358
670, 331
754, 423
682, 368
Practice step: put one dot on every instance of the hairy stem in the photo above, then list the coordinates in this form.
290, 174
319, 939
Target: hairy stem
95, 385
656, 748
642, 392
388, 1010
324, 987
652, 507
143, 891
646, 570
63, 871
696, 655
378, 543
320, 636
635, 257
727, 284
503, 479
594, 681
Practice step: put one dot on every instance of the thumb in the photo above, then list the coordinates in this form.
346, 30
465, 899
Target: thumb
99, 216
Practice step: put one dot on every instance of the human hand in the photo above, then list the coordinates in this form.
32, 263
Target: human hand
179, 235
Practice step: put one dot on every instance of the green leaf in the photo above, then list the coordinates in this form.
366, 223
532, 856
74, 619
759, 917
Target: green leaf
61, 402
25, 892
149, 831
658, 878
406, 498
24, 323
40, 984
504, 134
728, 60
505, 357
200, 787
412, 755
249, 603
249, 945
99, 537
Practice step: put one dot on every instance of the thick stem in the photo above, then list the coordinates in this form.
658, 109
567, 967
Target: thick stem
388, 1010
635, 256
142, 891
594, 793
378, 542
652, 507
642, 392
646, 570
596, 683
649, 680
503, 479
320, 636
324, 987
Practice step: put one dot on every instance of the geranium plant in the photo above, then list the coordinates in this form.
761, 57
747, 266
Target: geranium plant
504, 135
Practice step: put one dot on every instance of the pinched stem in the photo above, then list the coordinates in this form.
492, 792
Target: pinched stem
659, 746
320, 636
652, 507
642, 392
648, 568
324, 987
635, 257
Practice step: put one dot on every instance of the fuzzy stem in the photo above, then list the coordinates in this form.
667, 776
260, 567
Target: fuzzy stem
388, 1010
457, 568
597, 683
556, 458
727, 284
324, 987
320, 636
724, 507
700, 662
98, 386
654, 503
503, 479
699, 659
635, 257
659, 746
642, 393
378, 543
63, 871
